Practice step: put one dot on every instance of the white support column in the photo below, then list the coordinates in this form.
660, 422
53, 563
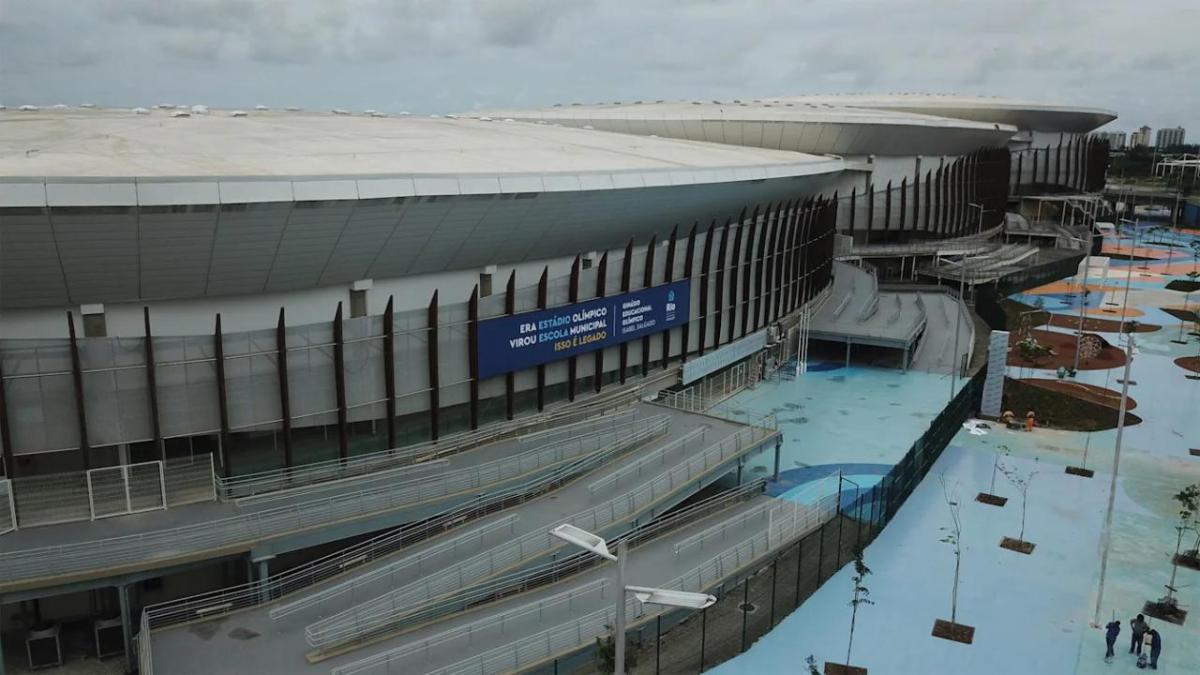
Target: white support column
126, 627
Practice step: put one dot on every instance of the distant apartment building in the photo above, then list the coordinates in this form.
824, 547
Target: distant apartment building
1140, 138
1166, 138
1116, 139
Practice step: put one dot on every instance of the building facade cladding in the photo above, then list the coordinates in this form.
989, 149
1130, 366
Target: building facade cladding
297, 394
1074, 163
57, 256
1167, 138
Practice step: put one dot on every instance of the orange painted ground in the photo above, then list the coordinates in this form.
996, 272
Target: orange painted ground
1063, 346
1097, 325
1069, 287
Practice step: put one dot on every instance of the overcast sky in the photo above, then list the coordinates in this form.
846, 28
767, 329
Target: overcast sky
434, 56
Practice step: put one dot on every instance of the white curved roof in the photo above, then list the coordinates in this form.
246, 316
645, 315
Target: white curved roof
158, 207
809, 127
1023, 114
265, 156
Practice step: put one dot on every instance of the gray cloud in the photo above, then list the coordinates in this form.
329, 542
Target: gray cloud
430, 56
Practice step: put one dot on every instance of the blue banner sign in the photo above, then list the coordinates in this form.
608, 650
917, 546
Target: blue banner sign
520, 341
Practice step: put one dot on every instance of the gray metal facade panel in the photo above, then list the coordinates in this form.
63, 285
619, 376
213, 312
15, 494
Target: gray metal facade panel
30, 272
418, 221
312, 231
451, 235
367, 230
247, 239
174, 247
98, 250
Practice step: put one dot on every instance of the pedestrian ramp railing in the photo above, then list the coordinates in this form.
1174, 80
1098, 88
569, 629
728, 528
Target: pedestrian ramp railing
414, 657
607, 422
249, 528
145, 655
229, 600
815, 503
290, 480
426, 561
567, 633
408, 472
104, 492
657, 458
561, 568
8, 510
125, 489
382, 614
631, 436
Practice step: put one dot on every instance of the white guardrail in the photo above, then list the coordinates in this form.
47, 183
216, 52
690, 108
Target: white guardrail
229, 600
318, 474
248, 528
635, 434
381, 614
787, 521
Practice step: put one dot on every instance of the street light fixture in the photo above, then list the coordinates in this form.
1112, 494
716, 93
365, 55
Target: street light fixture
653, 596
583, 539
669, 598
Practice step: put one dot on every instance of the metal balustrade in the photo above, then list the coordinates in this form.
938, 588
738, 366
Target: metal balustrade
818, 497
562, 568
252, 594
564, 637
316, 473
380, 615
73, 496
145, 655
246, 529
634, 435
450, 641
8, 510
423, 562
657, 457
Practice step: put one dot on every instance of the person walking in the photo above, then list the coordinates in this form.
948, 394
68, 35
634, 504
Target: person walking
1111, 631
1139, 628
1155, 648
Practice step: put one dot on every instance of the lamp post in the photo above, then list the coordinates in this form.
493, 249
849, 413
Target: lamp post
1087, 261
653, 596
962, 276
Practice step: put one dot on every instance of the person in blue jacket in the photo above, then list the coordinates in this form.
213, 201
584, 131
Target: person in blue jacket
1155, 648
1112, 630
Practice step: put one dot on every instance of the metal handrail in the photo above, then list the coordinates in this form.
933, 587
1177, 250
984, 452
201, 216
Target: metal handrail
658, 456
251, 594
533, 489
562, 568
145, 654
276, 480
569, 636
379, 615
244, 529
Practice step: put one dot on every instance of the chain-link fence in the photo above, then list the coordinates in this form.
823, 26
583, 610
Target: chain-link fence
755, 600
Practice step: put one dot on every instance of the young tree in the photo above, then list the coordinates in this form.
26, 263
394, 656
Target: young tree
811, 662
1192, 276
953, 538
997, 466
1021, 482
1187, 499
861, 596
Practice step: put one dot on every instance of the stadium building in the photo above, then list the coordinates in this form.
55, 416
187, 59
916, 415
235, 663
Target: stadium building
245, 352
